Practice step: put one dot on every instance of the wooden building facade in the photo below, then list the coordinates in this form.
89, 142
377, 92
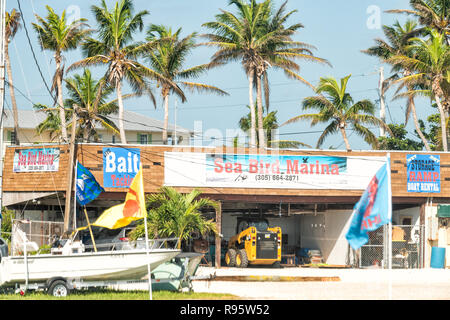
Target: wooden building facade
44, 182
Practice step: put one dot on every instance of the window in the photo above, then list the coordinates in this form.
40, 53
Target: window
144, 138
11, 136
113, 139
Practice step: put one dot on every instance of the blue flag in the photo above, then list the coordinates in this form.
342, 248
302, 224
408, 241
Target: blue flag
87, 187
373, 210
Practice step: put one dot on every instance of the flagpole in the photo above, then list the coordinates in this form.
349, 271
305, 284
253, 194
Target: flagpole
147, 249
90, 228
148, 260
390, 208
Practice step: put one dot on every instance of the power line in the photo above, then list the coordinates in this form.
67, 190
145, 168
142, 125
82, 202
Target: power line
32, 50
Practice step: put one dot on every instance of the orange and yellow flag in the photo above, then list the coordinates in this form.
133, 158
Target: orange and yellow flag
132, 209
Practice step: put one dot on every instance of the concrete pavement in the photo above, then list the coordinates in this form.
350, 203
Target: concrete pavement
361, 284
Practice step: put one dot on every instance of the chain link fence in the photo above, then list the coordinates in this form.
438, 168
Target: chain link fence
40, 233
407, 248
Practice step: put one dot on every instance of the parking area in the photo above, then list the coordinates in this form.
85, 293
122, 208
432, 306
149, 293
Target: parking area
321, 284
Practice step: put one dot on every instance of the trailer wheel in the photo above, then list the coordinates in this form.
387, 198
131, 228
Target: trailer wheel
242, 259
230, 257
59, 288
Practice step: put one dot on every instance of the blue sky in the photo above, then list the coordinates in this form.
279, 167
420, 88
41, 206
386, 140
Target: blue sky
339, 29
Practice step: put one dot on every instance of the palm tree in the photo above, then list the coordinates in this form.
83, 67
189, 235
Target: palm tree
396, 43
57, 35
270, 123
51, 124
336, 107
168, 58
430, 60
279, 51
115, 49
430, 13
236, 37
88, 97
12, 25
172, 214
257, 38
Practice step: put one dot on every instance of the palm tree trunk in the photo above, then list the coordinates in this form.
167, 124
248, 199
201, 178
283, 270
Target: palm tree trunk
443, 122
166, 118
123, 138
344, 136
261, 137
62, 113
416, 123
13, 96
252, 110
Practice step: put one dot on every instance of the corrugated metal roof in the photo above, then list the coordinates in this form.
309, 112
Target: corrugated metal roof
29, 119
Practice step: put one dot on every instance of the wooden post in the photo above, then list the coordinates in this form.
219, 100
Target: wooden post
218, 237
70, 173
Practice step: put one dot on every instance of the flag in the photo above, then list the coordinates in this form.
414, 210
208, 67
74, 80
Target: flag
132, 209
373, 210
87, 187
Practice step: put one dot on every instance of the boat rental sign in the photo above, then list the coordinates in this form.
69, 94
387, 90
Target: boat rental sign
269, 171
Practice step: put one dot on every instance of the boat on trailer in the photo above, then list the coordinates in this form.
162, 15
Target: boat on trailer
72, 264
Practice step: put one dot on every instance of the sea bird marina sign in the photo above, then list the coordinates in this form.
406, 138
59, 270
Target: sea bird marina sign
269, 171
36, 160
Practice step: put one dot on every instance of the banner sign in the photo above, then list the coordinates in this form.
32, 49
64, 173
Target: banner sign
423, 173
120, 165
36, 160
269, 171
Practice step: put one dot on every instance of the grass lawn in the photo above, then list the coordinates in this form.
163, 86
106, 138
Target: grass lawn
121, 295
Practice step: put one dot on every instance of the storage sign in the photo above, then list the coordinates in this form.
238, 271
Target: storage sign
36, 160
120, 165
423, 173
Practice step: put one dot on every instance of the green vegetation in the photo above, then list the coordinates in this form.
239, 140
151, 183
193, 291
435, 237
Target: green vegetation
121, 295
173, 214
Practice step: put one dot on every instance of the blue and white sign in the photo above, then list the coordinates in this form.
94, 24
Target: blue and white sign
120, 165
423, 173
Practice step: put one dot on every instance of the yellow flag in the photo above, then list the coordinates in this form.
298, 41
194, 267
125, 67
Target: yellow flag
132, 209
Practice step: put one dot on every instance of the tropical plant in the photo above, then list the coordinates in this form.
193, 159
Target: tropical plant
51, 124
270, 123
236, 37
12, 25
89, 98
7, 222
256, 37
56, 34
168, 58
396, 43
430, 13
173, 214
430, 61
337, 108
116, 50
279, 51
398, 140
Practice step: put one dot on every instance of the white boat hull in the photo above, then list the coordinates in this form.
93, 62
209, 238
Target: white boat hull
87, 266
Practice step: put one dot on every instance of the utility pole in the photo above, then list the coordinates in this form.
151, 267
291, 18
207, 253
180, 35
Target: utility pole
70, 173
382, 101
2, 96
175, 134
